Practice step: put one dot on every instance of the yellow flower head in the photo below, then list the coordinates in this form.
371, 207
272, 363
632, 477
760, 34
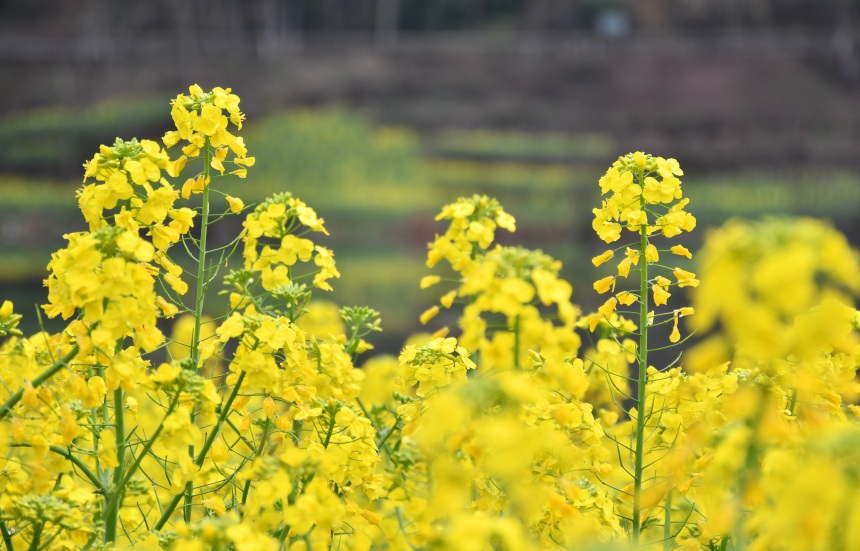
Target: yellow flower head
203, 119
635, 183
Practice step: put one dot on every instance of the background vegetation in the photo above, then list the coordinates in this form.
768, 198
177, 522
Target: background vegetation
377, 112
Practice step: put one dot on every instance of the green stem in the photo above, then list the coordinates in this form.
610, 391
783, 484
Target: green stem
201, 264
667, 523
66, 454
282, 537
112, 505
743, 477
37, 536
642, 380
793, 402
114, 495
7, 537
388, 434
7, 406
296, 430
199, 300
76, 461
103, 473
188, 495
334, 411
94, 419
258, 453
201, 457
366, 414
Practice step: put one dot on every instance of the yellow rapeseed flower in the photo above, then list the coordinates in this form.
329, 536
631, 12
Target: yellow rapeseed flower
661, 295
429, 314
603, 257
681, 250
236, 204
605, 284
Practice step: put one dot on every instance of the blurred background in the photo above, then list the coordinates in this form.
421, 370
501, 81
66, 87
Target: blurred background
378, 112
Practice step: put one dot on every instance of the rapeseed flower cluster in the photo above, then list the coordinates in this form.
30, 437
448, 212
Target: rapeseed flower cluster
525, 425
138, 444
645, 198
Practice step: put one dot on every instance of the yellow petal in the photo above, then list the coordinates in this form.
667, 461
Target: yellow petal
429, 314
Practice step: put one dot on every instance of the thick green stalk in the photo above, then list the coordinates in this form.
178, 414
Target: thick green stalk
201, 457
199, 299
388, 434
188, 494
75, 460
331, 426
667, 523
7, 406
749, 463
7, 537
37, 536
260, 448
201, 264
112, 505
642, 379
148, 446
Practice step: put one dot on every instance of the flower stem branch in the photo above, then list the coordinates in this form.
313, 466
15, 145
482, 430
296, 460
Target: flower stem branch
201, 457
75, 460
116, 491
7, 406
112, 512
7, 537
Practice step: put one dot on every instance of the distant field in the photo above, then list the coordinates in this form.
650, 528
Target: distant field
379, 188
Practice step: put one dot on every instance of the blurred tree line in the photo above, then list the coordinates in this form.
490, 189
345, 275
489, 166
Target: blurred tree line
277, 20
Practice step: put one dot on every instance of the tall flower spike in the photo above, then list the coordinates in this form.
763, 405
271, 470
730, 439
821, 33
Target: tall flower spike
200, 120
643, 195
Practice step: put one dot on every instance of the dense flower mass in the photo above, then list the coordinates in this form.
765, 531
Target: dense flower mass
523, 425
